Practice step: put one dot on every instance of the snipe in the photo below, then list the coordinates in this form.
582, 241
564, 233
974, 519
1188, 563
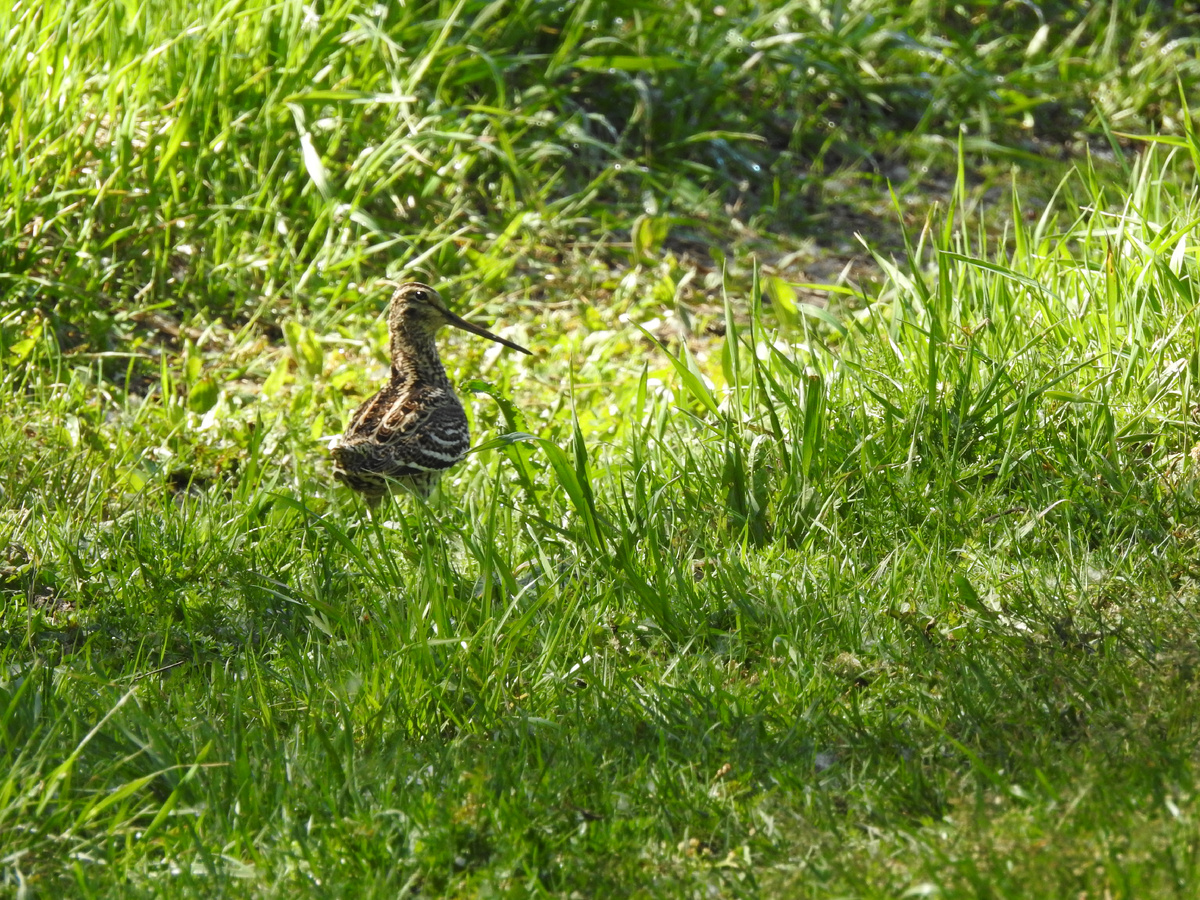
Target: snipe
415, 428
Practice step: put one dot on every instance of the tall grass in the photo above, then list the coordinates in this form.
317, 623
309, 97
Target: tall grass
890, 591
893, 576
242, 160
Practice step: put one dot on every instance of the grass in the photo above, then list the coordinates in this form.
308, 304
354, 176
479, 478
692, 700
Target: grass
758, 583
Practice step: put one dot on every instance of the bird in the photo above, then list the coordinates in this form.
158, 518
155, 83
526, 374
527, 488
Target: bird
414, 429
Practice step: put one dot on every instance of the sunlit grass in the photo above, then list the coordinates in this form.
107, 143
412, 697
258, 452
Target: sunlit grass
751, 587
908, 578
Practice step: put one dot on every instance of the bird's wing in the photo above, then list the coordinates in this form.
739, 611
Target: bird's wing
423, 431
431, 438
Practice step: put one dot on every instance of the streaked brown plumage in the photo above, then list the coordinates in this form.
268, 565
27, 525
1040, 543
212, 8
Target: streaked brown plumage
415, 428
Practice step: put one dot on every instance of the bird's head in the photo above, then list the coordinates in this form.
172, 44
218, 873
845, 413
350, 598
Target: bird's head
417, 309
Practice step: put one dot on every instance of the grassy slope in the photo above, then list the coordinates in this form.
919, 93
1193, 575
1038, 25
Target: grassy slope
901, 596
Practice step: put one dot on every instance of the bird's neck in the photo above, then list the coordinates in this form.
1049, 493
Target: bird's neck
415, 360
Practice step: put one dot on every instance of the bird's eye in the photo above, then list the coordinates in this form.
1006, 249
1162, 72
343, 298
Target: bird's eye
421, 297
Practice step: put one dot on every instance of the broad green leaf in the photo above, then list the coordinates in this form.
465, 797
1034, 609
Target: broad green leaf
649, 233
19, 351
969, 597
203, 395
277, 379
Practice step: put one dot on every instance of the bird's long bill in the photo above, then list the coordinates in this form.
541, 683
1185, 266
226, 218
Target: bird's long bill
483, 332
